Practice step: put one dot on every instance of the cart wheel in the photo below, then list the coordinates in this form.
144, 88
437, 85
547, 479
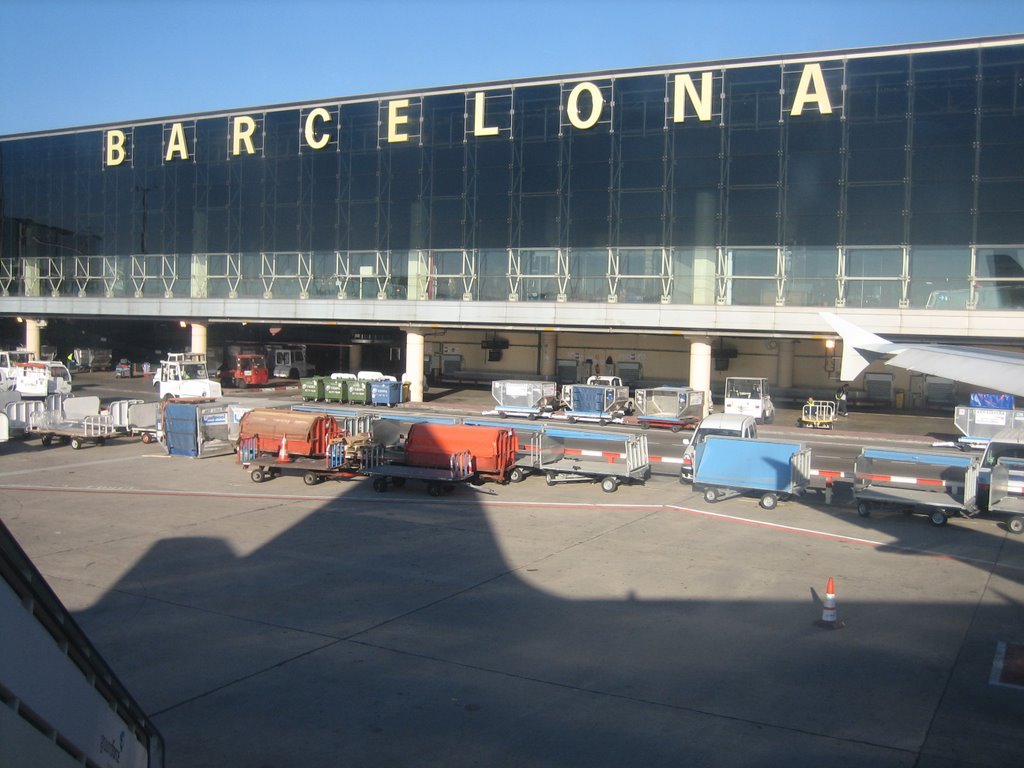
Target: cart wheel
646, 425
609, 485
768, 501
380, 484
76, 443
863, 509
46, 439
549, 478
147, 438
710, 495
257, 475
602, 422
517, 475
676, 428
1015, 524
434, 488
531, 416
311, 478
476, 480
938, 517
571, 419
398, 482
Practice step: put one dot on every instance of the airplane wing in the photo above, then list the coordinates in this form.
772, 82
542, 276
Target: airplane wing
988, 368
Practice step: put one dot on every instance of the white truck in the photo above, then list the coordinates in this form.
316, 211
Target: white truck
289, 362
9, 359
749, 397
39, 379
184, 374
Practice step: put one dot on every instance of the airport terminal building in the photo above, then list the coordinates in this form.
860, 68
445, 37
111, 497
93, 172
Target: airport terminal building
673, 224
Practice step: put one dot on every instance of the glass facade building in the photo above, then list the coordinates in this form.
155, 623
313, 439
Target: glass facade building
877, 179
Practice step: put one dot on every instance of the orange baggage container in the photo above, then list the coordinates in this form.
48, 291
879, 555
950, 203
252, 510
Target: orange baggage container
433, 445
307, 434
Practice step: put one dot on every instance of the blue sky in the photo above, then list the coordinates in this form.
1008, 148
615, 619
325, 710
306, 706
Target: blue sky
67, 63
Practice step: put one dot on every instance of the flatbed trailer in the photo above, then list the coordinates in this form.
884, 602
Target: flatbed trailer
341, 461
939, 484
77, 433
439, 480
734, 466
559, 462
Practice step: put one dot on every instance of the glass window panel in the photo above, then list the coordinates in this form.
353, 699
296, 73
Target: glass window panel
874, 262
1000, 277
939, 277
875, 214
811, 276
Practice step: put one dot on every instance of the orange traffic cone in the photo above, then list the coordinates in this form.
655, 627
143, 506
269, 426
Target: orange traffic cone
829, 612
282, 455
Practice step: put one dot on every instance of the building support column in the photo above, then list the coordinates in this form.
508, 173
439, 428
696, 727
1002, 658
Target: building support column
785, 364
700, 368
548, 354
355, 358
414, 364
198, 338
33, 342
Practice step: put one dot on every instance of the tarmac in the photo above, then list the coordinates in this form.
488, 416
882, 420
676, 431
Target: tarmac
288, 625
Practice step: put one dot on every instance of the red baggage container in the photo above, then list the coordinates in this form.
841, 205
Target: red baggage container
433, 445
307, 434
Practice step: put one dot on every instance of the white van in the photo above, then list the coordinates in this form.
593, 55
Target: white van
725, 424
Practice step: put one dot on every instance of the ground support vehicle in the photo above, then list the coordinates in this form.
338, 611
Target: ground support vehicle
77, 422
1006, 492
250, 371
674, 408
561, 463
594, 403
39, 379
184, 374
939, 484
529, 399
749, 397
439, 479
818, 414
340, 460
123, 369
91, 359
732, 466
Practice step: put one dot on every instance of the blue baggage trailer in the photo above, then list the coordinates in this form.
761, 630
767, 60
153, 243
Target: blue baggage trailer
732, 466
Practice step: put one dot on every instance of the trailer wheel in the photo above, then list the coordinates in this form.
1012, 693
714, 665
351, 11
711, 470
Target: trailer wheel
609, 485
646, 425
517, 475
863, 509
311, 478
147, 438
677, 428
76, 443
549, 478
380, 484
938, 517
1015, 524
257, 475
710, 495
434, 488
46, 439
531, 416
571, 419
769, 501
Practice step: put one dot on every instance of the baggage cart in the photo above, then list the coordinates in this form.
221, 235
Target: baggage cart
818, 414
530, 399
594, 403
340, 460
938, 484
731, 466
143, 420
1006, 492
979, 424
76, 422
460, 469
562, 462
674, 408
492, 449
